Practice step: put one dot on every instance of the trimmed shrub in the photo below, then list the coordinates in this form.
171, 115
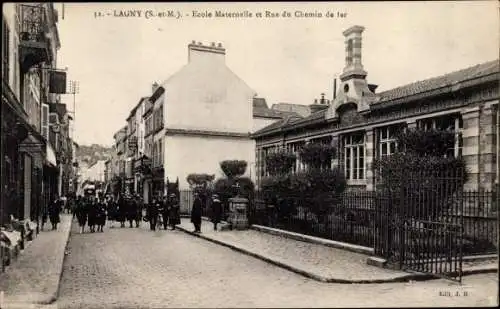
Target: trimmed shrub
233, 168
280, 163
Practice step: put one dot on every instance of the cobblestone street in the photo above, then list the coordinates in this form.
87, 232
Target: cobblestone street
138, 268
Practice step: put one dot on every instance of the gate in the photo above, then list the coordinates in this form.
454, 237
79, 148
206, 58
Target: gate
420, 225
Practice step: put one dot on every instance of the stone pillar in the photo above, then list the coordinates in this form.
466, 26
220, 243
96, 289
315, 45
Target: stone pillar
470, 150
487, 148
369, 155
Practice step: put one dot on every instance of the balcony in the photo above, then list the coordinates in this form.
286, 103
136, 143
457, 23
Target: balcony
34, 44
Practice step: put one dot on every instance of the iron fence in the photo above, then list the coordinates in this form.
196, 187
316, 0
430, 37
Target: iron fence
361, 217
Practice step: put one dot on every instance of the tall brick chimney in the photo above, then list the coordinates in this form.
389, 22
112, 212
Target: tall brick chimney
353, 64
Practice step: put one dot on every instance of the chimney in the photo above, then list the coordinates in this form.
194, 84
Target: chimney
316, 107
200, 52
154, 87
353, 48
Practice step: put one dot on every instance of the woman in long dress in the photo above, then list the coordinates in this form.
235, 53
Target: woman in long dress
174, 214
81, 214
54, 211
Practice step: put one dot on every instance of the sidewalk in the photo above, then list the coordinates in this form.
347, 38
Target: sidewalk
34, 277
322, 263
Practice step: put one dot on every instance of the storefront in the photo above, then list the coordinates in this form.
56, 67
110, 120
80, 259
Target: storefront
23, 150
143, 178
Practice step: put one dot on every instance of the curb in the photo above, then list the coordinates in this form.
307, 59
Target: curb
54, 295
403, 278
314, 240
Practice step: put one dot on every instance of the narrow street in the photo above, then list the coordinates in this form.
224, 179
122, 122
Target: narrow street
138, 268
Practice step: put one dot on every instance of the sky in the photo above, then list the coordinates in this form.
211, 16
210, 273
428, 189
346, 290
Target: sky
284, 59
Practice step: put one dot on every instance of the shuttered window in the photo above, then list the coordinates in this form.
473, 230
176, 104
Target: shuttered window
45, 121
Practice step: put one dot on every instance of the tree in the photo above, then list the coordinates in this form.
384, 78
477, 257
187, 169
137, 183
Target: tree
280, 163
317, 187
422, 178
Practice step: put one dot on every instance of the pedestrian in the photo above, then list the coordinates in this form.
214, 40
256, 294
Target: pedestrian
140, 206
174, 213
152, 213
81, 214
101, 216
112, 212
165, 210
54, 211
122, 211
92, 214
131, 210
196, 212
216, 210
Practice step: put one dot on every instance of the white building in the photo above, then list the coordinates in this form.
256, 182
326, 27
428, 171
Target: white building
95, 172
208, 116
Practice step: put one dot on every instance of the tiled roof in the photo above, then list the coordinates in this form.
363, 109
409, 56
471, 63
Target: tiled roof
419, 87
261, 109
440, 81
292, 121
300, 109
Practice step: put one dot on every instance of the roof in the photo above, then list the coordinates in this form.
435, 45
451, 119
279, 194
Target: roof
401, 92
300, 109
261, 109
440, 81
132, 112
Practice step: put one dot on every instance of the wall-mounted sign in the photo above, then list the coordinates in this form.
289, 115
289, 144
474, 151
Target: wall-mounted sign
57, 83
132, 144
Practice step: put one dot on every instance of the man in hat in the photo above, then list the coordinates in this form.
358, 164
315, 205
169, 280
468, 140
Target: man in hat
196, 213
216, 210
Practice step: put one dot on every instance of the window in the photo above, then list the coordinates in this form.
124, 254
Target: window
45, 121
450, 122
160, 152
354, 156
5, 50
387, 144
155, 150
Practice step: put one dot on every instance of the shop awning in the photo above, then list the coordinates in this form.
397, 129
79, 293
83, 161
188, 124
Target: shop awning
51, 155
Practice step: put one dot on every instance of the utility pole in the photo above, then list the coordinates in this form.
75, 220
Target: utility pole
74, 88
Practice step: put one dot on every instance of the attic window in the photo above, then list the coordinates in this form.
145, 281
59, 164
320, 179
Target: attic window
346, 88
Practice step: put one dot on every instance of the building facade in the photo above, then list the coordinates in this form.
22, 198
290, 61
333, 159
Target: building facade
29, 52
120, 158
362, 123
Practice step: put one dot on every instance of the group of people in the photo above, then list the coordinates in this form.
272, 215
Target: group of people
162, 211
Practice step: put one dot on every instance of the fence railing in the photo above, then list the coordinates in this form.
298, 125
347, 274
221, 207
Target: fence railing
359, 217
